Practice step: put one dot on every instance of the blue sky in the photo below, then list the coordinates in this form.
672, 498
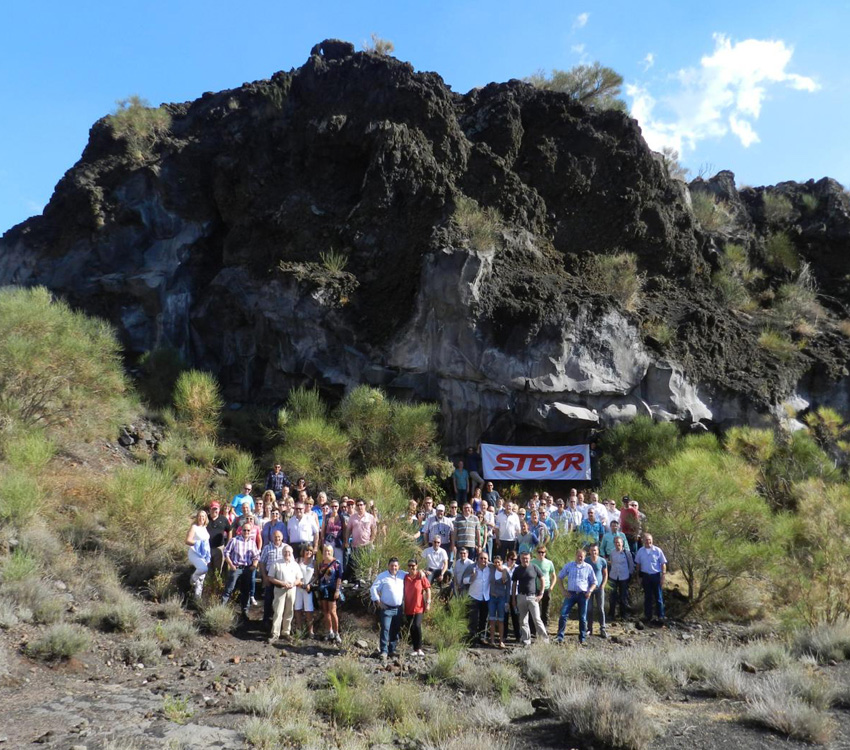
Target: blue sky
756, 87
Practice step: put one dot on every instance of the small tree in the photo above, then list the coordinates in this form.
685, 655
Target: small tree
593, 85
673, 168
709, 518
139, 124
638, 445
378, 46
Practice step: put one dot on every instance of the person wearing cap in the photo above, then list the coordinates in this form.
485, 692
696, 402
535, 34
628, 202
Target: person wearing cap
219, 528
438, 525
436, 560
606, 546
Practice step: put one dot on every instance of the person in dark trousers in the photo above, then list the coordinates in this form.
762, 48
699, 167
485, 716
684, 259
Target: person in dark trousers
417, 601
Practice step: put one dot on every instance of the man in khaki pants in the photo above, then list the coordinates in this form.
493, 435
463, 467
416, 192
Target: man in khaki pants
285, 576
526, 593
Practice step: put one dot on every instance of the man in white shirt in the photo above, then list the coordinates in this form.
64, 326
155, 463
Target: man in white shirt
573, 515
507, 530
302, 532
599, 510
479, 596
613, 513
387, 591
436, 560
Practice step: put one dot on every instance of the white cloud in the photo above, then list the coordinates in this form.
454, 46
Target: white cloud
581, 20
578, 49
724, 94
648, 61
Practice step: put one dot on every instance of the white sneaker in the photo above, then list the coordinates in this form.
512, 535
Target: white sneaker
420, 652
254, 602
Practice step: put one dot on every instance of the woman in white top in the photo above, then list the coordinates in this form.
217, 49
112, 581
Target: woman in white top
198, 541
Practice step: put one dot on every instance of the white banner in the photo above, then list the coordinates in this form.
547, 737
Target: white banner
567, 462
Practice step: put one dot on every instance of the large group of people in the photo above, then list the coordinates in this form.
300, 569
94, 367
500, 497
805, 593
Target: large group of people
302, 553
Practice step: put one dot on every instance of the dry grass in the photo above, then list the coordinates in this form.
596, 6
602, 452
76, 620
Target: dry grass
60, 641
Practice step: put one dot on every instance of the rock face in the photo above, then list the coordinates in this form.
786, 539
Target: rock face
318, 227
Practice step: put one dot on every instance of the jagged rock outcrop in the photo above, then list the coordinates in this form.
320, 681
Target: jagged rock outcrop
219, 241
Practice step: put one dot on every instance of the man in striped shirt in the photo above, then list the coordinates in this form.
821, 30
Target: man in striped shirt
467, 532
242, 558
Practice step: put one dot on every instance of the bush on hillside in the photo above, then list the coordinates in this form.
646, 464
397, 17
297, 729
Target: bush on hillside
712, 214
55, 363
160, 370
479, 225
318, 449
777, 208
638, 445
780, 253
712, 522
139, 124
198, 403
617, 276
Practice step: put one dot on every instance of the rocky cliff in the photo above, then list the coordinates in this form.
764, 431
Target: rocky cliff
356, 221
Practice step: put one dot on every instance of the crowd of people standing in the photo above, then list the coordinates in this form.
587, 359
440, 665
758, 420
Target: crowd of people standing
304, 553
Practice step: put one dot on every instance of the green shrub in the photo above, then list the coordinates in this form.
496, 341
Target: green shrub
29, 451
660, 331
56, 363
240, 468
779, 344
147, 515
777, 208
810, 202
318, 449
160, 370
48, 609
798, 300
479, 225
305, 403
731, 289
504, 680
617, 276
202, 451
706, 509
346, 701
261, 734
447, 665
120, 612
218, 619
624, 724
594, 85
61, 641
139, 124
144, 650
638, 445
712, 215
177, 709
333, 261
18, 566
20, 498
198, 402
281, 697
754, 445
446, 624
175, 634
780, 253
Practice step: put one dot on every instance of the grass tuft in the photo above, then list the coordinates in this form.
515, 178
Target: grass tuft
217, 619
61, 641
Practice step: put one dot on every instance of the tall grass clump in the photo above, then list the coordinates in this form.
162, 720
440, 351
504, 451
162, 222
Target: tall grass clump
479, 225
446, 624
20, 498
198, 402
778, 343
217, 619
146, 517
139, 125
121, 612
777, 208
240, 467
638, 445
712, 215
624, 724
316, 448
55, 363
279, 698
61, 641
617, 276
28, 451
347, 700
780, 253
797, 303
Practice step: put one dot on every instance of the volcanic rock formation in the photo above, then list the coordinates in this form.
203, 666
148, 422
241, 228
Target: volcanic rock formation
356, 221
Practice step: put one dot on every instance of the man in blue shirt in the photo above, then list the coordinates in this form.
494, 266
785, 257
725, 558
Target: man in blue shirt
244, 497
460, 483
592, 528
651, 563
607, 545
581, 583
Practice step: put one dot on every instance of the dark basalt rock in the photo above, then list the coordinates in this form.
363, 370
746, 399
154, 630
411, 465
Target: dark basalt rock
218, 242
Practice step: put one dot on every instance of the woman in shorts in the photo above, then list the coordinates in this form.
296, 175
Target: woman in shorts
328, 578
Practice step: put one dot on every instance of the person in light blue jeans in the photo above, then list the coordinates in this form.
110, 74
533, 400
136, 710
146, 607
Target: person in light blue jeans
581, 583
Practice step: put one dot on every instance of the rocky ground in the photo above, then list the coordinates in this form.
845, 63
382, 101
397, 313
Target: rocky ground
187, 699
